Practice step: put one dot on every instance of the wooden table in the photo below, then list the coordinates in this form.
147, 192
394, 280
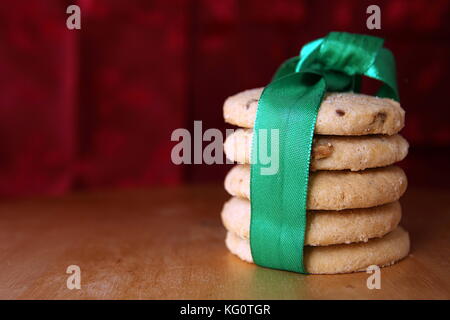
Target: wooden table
168, 244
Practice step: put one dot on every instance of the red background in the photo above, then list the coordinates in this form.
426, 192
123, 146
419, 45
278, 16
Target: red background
95, 107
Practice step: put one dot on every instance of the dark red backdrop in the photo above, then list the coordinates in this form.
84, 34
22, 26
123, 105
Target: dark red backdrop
96, 107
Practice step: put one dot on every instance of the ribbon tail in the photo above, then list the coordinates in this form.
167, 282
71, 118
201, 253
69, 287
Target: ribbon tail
383, 69
286, 118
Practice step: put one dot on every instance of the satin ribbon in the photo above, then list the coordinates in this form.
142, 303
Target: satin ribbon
290, 104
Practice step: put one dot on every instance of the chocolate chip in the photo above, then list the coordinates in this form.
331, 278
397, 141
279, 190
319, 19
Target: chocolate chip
379, 117
382, 116
340, 112
250, 102
322, 151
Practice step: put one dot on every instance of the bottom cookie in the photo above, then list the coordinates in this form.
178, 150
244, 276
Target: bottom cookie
343, 258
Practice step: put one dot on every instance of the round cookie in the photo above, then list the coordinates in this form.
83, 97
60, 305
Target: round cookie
339, 114
332, 152
335, 190
341, 258
324, 227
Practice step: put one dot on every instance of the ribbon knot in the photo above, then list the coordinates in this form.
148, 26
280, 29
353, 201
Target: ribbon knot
341, 58
338, 81
350, 53
290, 104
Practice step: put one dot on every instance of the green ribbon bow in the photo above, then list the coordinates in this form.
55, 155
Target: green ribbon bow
290, 104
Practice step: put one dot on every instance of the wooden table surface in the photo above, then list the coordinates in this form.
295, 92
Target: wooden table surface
168, 244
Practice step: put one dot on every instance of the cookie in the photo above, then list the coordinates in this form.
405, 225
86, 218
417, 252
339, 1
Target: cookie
332, 152
339, 114
335, 190
324, 227
340, 258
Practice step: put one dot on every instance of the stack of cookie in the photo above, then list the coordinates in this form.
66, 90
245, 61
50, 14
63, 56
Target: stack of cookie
354, 188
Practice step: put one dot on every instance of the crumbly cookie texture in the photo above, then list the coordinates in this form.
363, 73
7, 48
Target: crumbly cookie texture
332, 152
335, 190
324, 227
339, 114
341, 258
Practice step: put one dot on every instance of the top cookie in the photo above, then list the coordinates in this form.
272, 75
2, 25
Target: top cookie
339, 114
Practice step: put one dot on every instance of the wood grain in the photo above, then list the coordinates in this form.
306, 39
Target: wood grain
168, 244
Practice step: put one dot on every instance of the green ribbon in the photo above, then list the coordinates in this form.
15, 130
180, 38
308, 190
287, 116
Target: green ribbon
290, 104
